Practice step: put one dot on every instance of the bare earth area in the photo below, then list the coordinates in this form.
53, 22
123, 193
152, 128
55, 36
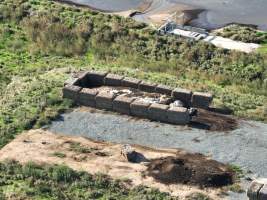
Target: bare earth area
102, 157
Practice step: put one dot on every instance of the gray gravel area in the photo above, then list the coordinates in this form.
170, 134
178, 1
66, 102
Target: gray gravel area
245, 146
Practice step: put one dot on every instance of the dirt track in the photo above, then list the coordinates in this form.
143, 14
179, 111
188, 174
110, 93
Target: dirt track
95, 157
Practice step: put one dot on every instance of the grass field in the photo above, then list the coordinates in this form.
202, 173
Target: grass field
34, 182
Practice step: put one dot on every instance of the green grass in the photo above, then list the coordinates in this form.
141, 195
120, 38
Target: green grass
78, 148
59, 182
263, 48
198, 196
236, 187
243, 33
59, 154
238, 171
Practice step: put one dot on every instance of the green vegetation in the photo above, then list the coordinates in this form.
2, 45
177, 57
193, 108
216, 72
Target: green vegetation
42, 43
263, 48
59, 154
244, 34
78, 148
236, 187
198, 196
238, 171
60, 182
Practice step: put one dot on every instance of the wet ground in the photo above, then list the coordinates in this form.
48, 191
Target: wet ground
217, 14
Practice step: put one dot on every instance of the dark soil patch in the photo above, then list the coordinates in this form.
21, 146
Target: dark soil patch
193, 169
213, 121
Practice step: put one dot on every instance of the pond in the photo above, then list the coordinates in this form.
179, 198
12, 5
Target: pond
217, 14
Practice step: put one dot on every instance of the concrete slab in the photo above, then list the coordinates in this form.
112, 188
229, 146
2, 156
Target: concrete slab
163, 89
131, 82
71, 92
201, 100
158, 112
104, 100
147, 87
96, 78
178, 115
122, 104
87, 97
182, 94
113, 80
139, 108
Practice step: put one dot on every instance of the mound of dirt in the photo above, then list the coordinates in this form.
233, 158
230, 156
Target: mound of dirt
192, 169
214, 121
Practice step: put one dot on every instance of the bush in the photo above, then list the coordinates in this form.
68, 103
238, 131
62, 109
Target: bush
61, 182
51, 35
244, 34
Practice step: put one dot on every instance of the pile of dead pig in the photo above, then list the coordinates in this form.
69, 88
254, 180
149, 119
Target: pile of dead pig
137, 97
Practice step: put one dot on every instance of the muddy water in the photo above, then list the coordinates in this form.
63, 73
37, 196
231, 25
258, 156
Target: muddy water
110, 5
218, 12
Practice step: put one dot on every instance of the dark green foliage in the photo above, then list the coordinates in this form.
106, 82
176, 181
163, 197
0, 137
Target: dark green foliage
60, 182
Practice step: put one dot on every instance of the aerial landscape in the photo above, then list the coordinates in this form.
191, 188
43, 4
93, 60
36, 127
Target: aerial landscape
133, 99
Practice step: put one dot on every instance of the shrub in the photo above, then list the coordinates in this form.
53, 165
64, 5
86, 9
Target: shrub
51, 35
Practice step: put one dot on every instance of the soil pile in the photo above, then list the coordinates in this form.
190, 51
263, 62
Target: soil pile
214, 121
193, 169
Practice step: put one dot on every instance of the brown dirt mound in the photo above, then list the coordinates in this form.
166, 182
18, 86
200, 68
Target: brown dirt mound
214, 121
193, 169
